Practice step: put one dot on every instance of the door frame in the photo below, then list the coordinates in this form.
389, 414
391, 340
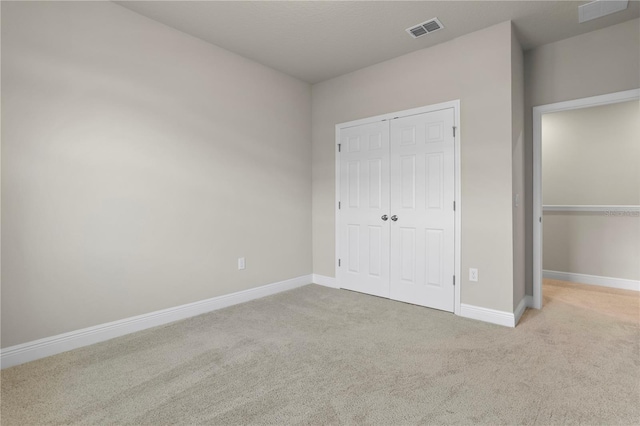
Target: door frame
455, 104
538, 112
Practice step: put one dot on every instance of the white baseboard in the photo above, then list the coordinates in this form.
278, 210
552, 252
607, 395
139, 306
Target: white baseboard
487, 315
48, 346
520, 310
620, 283
325, 281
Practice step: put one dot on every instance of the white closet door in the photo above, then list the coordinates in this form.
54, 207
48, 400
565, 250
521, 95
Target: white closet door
364, 199
422, 195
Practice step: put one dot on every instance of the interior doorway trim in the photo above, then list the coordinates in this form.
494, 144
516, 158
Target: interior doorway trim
538, 112
455, 104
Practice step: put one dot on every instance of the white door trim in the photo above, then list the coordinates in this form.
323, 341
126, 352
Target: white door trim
611, 98
390, 116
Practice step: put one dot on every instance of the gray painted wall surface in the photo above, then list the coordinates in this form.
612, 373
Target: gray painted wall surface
591, 156
138, 164
595, 63
517, 111
476, 69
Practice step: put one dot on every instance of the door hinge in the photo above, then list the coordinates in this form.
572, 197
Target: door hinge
338, 205
339, 262
454, 280
339, 147
454, 206
454, 131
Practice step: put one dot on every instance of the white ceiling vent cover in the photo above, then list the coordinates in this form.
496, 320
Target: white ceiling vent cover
599, 8
425, 28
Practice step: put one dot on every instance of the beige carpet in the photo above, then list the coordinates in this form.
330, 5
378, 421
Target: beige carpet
621, 304
321, 356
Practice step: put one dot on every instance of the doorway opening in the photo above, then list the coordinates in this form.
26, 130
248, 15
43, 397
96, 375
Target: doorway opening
580, 202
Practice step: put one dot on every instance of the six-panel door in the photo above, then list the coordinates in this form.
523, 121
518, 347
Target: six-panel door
364, 199
422, 195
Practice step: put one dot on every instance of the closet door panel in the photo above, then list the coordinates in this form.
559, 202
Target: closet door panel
422, 194
364, 199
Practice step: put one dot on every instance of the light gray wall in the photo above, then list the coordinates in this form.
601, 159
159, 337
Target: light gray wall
517, 152
595, 63
476, 69
138, 164
591, 156
592, 244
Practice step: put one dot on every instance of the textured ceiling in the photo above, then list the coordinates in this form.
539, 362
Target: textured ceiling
319, 40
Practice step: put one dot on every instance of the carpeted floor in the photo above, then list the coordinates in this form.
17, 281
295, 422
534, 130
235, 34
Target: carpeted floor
316, 355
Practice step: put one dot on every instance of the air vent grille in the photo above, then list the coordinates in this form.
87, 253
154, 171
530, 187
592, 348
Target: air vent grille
599, 8
418, 31
425, 28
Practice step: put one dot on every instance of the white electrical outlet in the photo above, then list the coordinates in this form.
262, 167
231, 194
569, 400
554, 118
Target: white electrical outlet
241, 263
473, 274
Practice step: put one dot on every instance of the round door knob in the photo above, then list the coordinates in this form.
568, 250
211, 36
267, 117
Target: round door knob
394, 218
384, 217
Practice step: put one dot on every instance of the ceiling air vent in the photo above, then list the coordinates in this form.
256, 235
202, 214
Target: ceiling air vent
599, 8
425, 28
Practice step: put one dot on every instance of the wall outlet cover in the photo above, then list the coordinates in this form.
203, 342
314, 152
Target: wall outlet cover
473, 274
